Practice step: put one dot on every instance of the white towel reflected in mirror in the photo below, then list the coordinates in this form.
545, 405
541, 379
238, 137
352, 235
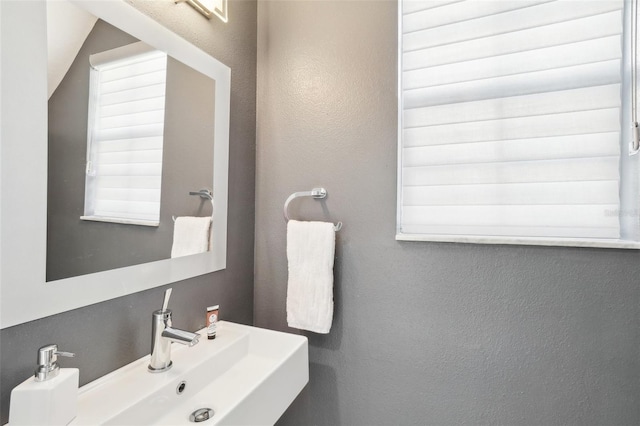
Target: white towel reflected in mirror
191, 235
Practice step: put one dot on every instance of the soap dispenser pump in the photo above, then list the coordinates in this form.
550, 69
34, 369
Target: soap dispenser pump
48, 367
48, 398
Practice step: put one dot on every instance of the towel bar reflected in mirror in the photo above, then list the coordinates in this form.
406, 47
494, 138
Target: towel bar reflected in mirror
205, 194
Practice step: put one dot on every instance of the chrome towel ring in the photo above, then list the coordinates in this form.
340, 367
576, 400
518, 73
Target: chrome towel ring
315, 193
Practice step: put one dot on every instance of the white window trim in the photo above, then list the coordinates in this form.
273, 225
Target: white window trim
120, 220
532, 241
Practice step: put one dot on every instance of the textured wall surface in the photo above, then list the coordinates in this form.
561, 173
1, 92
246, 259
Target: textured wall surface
423, 333
109, 335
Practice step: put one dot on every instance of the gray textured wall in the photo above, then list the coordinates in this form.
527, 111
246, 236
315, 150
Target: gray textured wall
109, 335
423, 333
76, 247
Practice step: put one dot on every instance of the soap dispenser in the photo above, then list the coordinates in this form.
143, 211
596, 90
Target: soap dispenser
48, 398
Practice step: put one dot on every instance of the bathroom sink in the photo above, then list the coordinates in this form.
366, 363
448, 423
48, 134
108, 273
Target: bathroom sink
246, 375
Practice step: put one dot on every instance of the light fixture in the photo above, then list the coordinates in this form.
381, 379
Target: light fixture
209, 7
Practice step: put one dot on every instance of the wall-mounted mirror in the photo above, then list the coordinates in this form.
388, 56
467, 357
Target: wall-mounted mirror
88, 261
130, 135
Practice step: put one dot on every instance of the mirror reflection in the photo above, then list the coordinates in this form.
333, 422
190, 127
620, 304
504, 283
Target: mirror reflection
120, 166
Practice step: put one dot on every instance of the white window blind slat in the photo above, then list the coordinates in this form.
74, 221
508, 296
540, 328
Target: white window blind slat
555, 216
462, 11
419, 5
129, 182
567, 147
124, 157
503, 23
129, 194
131, 132
126, 133
133, 83
146, 65
541, 193
563, 101
133, 119
141, 93
588, 75
138, 144
563, 170
571, 123
132, 107
567, 55
145, 208
573, 31
130, 169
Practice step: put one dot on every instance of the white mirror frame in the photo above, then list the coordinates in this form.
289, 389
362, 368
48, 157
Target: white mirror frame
25, 294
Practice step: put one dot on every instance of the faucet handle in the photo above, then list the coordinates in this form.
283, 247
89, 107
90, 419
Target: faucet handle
165, 303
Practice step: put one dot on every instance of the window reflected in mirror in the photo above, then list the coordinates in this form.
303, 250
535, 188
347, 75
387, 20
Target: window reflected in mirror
125, 134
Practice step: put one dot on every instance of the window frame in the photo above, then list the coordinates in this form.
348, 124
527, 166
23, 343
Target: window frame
630, 208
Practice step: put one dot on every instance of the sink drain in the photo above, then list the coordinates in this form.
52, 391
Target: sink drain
201, 415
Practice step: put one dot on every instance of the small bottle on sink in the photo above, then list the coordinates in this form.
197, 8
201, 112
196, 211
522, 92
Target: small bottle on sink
212, 321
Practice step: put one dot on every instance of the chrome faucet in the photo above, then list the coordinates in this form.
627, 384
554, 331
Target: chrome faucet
163, 335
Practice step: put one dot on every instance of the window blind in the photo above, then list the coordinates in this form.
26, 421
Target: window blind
126, 127
510, 118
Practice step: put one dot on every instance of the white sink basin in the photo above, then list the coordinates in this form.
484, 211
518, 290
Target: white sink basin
247, 375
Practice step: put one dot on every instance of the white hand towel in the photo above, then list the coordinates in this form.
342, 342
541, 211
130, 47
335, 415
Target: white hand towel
310, 251
190, 235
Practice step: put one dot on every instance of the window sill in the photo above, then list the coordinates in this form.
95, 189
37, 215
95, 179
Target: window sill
533, 241
120, 220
